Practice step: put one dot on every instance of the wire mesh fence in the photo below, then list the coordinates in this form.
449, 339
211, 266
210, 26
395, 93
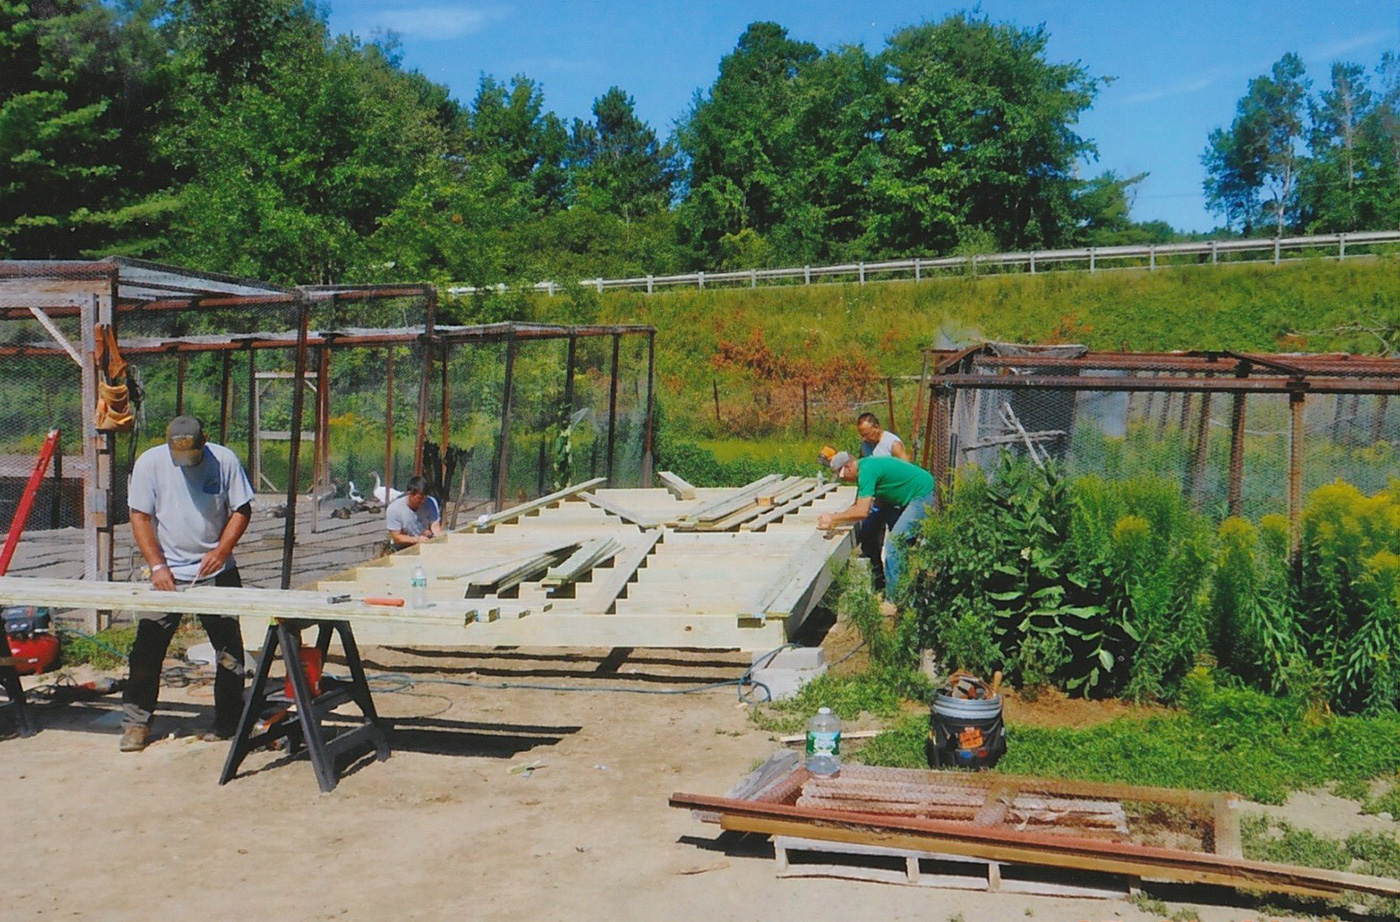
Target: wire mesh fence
1240, 435
325, 395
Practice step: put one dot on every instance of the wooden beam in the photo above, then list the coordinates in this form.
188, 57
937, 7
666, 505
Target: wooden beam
515, 512
605, 593
205, 600
1031, 847
678, 487
612, 508
792, 505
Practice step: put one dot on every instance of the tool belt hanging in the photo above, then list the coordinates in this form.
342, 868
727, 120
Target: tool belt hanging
113, 397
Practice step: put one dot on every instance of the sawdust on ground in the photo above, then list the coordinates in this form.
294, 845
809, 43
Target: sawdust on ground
499, 803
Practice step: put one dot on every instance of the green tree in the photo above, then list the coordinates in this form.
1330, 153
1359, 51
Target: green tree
1252, 169
739, 141
616, 164
293, 169
509, 126
980, 135
78, 109
1332, 184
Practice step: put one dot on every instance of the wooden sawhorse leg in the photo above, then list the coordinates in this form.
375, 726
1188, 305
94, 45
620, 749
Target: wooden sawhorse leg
25, 724
301, 721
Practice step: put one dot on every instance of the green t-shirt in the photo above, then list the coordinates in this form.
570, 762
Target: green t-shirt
893, 481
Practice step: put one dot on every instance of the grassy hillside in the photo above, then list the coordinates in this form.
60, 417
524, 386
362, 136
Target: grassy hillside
758, 345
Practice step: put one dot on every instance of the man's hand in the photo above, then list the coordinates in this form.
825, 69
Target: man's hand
162, 579
212, 562
825, 520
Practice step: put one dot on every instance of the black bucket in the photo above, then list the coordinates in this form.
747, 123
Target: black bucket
965, 732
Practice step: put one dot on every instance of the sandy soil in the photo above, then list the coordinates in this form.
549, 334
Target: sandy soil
499, 804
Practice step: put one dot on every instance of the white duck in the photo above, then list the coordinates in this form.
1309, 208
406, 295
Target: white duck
354, 494
384, 495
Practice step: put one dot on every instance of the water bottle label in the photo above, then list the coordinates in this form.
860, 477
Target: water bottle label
823, 743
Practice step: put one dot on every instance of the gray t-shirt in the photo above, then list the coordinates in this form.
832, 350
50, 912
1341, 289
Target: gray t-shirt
190, 505
399, 518
881, 449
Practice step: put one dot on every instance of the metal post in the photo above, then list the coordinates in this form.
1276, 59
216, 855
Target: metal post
289, 527
225, 397
389, 420
1032, 262
648, 461
1214, 253
254, 463
612, 407
503, 458
425, 377
1378, 422
914, 432
1277, 250
862, 272
917, 266
1295, 474
889, 399
1198, 455
1093, 253
1151, 258
321, 475
180, 363
1341, 247
1236, 488
446, 405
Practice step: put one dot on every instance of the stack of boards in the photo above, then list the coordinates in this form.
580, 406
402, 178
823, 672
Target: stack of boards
670, 567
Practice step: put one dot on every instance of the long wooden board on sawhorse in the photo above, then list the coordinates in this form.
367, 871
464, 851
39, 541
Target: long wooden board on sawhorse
302, 720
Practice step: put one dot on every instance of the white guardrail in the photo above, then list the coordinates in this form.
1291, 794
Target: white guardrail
1094, 259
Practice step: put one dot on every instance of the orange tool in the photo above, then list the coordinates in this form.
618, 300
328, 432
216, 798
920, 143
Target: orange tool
390, 601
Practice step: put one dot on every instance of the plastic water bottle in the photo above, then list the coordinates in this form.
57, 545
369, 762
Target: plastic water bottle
418, 598
824, 743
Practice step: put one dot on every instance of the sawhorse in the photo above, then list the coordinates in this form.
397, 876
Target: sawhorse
305, 726
10, 681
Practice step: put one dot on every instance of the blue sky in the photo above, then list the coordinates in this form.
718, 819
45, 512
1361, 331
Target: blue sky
1178, 67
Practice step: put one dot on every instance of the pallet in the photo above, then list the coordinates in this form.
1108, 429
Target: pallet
798, 857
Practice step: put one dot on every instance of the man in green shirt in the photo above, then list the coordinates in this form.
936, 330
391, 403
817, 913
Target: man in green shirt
888, 481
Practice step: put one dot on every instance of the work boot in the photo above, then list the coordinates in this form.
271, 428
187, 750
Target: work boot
215, 735
135, 738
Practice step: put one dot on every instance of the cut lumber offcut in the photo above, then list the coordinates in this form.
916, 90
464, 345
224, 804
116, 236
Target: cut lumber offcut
612, 508
746, 498
497, 581
727, 504
486, 573
581, 562
600, 600
677, 486
515, 512
792, 505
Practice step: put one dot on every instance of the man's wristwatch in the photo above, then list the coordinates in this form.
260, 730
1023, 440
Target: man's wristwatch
158, 567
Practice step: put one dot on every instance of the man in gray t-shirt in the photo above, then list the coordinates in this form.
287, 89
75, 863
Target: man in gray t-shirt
413, 518
190, 503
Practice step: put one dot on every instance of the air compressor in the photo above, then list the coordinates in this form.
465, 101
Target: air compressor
33, 644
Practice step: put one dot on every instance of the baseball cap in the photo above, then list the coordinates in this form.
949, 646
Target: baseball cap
185, 436
840, 460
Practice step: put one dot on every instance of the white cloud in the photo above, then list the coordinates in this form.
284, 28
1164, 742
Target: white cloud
1333, 50
431, 23
1176, 89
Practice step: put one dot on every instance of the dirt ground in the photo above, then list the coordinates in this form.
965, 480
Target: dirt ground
498, 803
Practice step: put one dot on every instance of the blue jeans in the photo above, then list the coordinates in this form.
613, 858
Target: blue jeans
895, 543
870, 537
